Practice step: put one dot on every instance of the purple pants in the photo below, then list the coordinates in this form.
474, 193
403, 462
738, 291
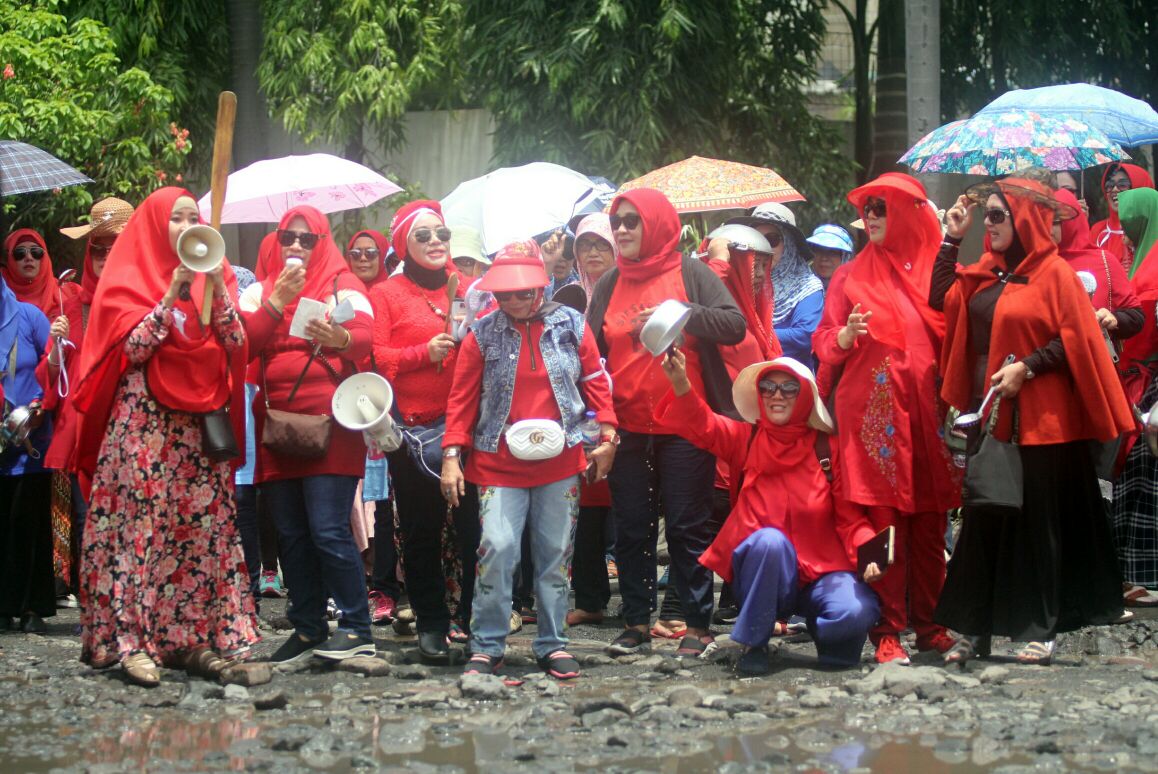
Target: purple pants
839, 609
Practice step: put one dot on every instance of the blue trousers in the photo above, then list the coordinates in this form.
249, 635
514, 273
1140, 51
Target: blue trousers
318, 552
839, 608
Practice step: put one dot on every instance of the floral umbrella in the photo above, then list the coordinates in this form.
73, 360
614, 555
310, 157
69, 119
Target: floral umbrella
1002, 143
699, 184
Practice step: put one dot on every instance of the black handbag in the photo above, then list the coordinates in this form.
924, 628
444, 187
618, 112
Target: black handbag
218, 441
993, 476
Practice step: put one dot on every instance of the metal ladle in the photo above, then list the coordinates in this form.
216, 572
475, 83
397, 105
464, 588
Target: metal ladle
970, 420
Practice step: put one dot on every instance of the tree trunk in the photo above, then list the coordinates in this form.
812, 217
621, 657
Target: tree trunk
862, 40
252, 128
890, 121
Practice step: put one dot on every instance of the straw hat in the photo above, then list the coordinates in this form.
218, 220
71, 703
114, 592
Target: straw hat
107, 217
746, 395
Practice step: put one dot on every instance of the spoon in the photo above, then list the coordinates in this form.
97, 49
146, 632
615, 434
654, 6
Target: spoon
451, 292
966, 421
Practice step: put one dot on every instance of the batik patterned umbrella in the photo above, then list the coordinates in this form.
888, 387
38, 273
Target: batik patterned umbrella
25, 168
1002, 143
699, 184
1125, 120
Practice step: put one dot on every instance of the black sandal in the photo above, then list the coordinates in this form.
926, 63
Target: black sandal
482, 664
967, 648
561, 665
631, 641
694, 645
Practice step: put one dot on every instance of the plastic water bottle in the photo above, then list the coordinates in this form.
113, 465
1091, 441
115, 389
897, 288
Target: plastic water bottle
590, 429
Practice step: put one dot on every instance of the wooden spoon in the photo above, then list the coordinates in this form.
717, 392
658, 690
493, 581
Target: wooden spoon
451, 293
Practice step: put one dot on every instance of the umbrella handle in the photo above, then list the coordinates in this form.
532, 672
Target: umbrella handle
222, 155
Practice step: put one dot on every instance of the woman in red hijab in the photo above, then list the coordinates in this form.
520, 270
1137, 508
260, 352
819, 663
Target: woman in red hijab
310, 496
879, 331
1049, 567
652, 461
366, 257
162, 575
415, 352
1107, 233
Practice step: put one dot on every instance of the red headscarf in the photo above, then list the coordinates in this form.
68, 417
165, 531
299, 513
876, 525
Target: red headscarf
1078, 250
912, 236
326, 267
186, 373
41, 290
268, 257
404, 221
760, 342
659, 249
1051, 302
383, 245
1107, 233
89, 279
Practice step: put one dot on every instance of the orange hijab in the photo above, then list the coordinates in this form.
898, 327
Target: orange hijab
41, 290
1050, 302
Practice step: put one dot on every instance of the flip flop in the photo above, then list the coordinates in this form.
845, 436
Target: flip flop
1137, 596
664, 632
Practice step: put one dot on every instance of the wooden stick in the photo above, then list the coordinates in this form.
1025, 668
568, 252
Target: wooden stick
222, 156
451, 292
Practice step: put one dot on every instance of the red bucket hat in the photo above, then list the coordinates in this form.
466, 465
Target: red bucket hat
518, 266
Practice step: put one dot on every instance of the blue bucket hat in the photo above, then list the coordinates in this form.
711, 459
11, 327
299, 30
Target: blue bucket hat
831, 237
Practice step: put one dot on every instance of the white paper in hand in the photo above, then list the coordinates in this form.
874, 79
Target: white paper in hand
308, 309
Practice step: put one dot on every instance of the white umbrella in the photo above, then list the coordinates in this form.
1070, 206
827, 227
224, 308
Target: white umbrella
266, 190
518, 202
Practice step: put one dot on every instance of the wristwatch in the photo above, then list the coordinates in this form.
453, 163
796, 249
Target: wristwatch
611, 438
451, 453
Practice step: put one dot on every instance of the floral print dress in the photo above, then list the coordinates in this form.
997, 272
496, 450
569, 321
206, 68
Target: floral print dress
162, 569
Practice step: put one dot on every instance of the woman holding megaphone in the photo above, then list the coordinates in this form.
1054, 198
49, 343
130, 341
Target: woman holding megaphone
162, 577
308, 466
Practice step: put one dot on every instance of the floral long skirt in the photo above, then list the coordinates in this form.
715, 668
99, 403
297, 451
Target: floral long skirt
162, 569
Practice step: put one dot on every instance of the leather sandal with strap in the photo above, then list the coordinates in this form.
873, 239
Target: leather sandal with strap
141, 670
1039, 653
203, 662
967, 648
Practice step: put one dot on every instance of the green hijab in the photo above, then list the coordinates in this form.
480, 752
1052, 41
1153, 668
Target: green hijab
1138, 214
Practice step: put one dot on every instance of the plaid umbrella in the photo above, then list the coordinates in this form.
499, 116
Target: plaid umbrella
699, 184
25, 168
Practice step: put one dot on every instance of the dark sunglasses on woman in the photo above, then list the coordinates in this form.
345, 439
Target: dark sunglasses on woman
507, 295
423, 235
774, 240
876, 208
371, 254
307, 239
630, 222
20, 253
466, 264
99, 251
584, 246
787, 389
995, 216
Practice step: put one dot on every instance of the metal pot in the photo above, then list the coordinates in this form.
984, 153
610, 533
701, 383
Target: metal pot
664, 326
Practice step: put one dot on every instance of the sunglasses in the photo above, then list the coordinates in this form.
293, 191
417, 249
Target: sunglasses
876, 208
466, 264
584, 246
20, 253
995, 216
630, 222
787, 389
99, 251
356, 254
307, 239
507, 295
774, 239
424, 235
1120, 185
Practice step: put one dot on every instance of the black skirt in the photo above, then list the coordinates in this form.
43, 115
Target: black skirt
1049, 568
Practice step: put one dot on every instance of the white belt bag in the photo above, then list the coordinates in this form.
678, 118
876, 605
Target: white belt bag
535, 439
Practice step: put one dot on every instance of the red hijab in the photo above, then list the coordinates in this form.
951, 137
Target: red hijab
383, 245
760, 342
41, 290
1050, 302
268, 256
659, 250
912, 237
1078, 250
1107, 233
403, 222
89, 279
189, 372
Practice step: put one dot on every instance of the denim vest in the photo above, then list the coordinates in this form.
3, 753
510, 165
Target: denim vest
500, 341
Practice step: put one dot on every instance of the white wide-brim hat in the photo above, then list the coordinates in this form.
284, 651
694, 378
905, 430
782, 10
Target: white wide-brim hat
746, 394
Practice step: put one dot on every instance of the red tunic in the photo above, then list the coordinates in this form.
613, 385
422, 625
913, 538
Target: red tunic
533, 399
889, 427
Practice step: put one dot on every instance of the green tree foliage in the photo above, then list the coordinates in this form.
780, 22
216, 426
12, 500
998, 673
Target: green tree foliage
331, 69
620, 87
63, 89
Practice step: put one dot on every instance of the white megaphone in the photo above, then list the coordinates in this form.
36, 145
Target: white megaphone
363, 402
201, 248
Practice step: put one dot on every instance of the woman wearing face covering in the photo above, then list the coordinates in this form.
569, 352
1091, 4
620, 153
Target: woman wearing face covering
1049, 567
162, 572
310, 497
413, 350
883, 338
653, 466
784, 547
1107, 233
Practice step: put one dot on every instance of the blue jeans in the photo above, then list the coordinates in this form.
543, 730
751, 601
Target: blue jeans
650, 470
318, 553
550, 511
839, 609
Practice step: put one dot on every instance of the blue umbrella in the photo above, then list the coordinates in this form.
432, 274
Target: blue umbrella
1125, 120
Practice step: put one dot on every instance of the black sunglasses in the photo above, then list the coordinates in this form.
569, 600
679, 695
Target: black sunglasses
584, 246
371, 253
995, 216
876, 208
423, 235
774, 239
630, 221
507, 295
787, 389
20, 253
99, 251
466, 264
1118, 185
307, 239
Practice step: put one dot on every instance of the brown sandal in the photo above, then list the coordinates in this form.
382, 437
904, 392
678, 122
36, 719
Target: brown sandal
203, 662
141, 670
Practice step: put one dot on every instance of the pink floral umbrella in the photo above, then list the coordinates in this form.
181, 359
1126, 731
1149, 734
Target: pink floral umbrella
699, 184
